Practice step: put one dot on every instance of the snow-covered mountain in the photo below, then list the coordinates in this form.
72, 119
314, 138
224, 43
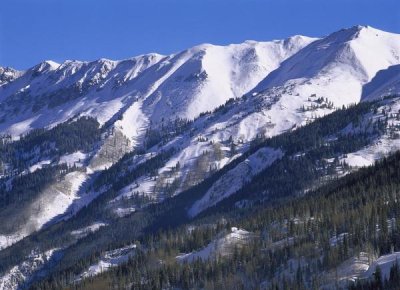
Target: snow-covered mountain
287, 83
142, 89
339, 65
198, 110
385, 82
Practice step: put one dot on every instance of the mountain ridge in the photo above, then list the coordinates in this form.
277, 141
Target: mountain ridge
193, 128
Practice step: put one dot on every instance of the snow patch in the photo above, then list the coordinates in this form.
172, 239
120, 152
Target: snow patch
235, 179
385, 263
72, 159
109, 260
83, 232
223, 246
18, 275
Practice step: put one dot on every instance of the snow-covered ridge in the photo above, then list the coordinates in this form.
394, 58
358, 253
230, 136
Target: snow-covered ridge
285, 83
183, 84
133, 94
149, 88
350, 56
385, 263
22, 273
83, 232
8, 74
235, 179
220, 247
385, 82
109, 260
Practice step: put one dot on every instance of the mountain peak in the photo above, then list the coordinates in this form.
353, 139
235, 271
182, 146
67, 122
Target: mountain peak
47, 65
356, 32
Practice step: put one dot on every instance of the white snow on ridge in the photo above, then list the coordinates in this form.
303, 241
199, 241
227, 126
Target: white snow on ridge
234, 180
39, 165
10, 239
220, 247
72, 159
370, 154
348, 271
124, 211
52, 202
109, 260
385, 263
384, 145
351, 56
141, 91
83, 232
143, 185
133, 123
19, 274
196, 80
183, 85
386, 82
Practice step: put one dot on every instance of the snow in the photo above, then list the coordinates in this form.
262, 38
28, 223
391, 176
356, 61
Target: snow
72, 159
137, 92
209, 75
385, 82
143, 185
8, 240
337, 239
234, 180
66, 193
360, 159
361, 267
348, 271
108, 260
94, 89
39, 165
57, 199
344, 57
133, 123
151, 87
19, 274
385, 263
183, 84
278, 78
19, 128
121, 212
220, 247
83, 232
380, 147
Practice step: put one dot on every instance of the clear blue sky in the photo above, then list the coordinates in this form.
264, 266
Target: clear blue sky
36, 30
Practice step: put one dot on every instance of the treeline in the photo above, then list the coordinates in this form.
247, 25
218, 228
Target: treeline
380, 282
161, 134
68, 137
269, 217
24, 187
360, 205
307, 221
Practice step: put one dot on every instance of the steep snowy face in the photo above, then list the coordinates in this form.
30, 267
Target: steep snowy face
206, 76
386, 82
327, 76
339, 65
159, 87
50, 93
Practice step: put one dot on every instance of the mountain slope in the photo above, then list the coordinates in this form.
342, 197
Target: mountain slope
385, 82
166, 139
293, 173
184, 85
351, 56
